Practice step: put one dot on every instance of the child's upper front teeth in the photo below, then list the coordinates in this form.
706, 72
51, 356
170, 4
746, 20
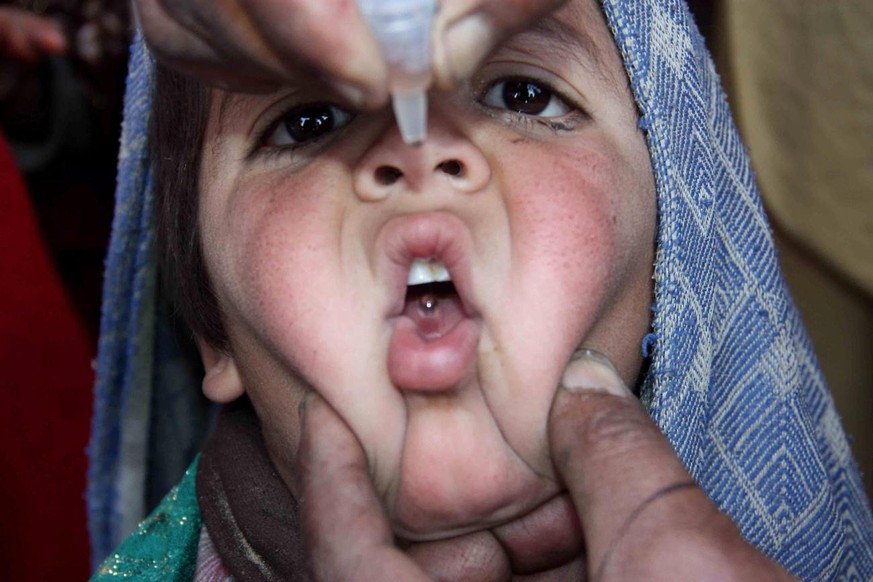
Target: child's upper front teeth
427, 271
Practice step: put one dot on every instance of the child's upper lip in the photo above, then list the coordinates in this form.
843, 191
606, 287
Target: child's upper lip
440, 236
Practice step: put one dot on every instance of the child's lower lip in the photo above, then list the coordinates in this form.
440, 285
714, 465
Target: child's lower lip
428, 360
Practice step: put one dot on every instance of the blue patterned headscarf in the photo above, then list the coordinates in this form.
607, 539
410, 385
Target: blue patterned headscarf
733, 382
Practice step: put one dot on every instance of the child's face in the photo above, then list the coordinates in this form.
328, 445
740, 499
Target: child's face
544, 220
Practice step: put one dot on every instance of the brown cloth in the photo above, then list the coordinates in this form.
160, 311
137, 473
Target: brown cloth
248, 511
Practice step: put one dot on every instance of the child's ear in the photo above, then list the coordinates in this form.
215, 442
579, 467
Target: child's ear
221, 380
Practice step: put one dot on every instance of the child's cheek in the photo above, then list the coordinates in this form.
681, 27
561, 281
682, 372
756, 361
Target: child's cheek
567, 215
299, 293
278, 257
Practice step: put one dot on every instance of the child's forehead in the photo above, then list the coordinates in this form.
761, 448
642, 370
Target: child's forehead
578, 33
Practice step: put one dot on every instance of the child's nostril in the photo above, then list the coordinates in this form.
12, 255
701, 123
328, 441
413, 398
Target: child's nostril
387, 175
451, 167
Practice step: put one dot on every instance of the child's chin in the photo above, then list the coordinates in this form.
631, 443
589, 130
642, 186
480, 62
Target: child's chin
443, 506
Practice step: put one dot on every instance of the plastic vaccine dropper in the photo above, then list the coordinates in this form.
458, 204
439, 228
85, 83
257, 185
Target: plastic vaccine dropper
402, 28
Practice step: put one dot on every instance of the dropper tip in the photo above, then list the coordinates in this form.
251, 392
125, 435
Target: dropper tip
410, 110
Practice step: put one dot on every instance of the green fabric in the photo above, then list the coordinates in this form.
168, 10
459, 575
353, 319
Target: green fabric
164, 546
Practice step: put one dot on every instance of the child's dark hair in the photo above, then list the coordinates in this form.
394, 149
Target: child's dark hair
179, 115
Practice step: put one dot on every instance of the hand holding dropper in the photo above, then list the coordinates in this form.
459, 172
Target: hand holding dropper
403, 29
254, 45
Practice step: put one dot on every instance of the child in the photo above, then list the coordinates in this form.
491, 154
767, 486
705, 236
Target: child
433, 295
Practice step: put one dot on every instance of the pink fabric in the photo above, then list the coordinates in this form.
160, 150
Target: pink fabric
210, 568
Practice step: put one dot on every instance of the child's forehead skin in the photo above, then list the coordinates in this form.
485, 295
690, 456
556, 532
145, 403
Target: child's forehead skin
577, 33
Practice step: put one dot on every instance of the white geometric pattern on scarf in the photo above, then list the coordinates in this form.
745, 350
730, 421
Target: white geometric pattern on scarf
733, 381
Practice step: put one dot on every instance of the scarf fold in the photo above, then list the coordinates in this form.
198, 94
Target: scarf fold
122, 391
733, 384
250, 515
732, 380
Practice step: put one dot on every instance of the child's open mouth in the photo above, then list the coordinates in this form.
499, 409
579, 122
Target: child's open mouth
434, 339
434, 307
432, 301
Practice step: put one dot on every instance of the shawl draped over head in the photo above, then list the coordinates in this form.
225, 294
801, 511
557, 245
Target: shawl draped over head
732, 381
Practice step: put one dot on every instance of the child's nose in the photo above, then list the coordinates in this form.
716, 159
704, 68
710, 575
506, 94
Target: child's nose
446, 161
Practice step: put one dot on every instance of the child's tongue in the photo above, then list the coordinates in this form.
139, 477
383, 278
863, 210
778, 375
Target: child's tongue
435, 309
434, 342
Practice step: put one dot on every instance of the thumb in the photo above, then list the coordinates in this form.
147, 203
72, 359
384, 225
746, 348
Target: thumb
642, 515
611, 456
466, 31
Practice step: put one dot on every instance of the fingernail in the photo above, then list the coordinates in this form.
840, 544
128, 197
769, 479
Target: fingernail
591, 371
466, 42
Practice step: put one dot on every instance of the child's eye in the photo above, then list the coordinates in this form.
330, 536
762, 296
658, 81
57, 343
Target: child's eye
307, 123
525, 96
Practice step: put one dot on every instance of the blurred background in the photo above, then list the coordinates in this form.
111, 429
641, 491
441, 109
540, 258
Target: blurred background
62, 70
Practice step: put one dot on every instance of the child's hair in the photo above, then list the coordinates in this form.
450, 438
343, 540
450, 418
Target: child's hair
179, 115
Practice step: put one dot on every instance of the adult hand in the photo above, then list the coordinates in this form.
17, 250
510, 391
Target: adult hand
347, 532
28, 37
641, 514
644, 517
251, 45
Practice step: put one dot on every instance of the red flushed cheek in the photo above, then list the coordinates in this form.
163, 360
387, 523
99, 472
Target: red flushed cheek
569, 245
567, 212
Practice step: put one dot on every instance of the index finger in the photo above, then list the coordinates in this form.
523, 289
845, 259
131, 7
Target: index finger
466, 31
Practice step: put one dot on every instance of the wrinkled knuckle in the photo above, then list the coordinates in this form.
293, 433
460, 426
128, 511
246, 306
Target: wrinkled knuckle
617, 423
525, 10
173, 8
600, 425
